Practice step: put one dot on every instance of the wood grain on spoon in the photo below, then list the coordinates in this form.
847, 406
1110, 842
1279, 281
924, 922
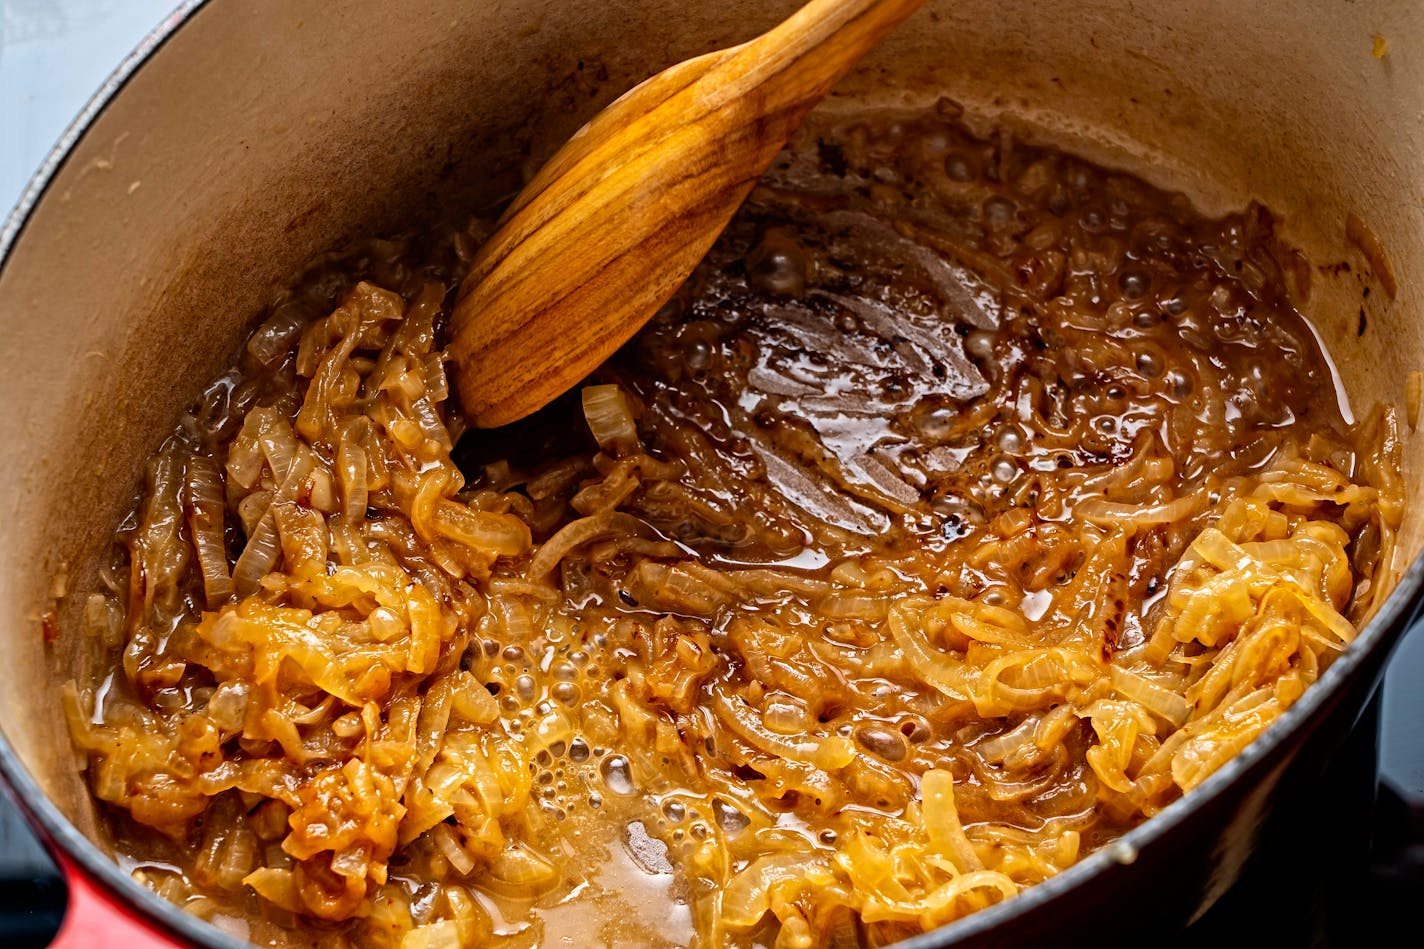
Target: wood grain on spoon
609, 229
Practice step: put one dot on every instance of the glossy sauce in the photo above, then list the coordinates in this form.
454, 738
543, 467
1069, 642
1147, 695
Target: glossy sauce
885, 442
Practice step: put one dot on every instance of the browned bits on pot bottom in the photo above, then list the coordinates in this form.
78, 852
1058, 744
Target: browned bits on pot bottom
967, 507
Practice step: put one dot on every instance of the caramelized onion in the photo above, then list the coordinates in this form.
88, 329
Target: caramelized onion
205, 503
954, 518
577, 533
258, 557
610, 418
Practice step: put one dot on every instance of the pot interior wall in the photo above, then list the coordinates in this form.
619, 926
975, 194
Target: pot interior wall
265, 132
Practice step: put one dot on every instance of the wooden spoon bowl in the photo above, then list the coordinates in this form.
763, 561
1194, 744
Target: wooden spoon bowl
608, 230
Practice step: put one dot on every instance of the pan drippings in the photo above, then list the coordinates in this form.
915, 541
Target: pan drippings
967, 507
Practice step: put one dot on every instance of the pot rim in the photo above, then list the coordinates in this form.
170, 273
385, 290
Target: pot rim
21, 786
1402, 609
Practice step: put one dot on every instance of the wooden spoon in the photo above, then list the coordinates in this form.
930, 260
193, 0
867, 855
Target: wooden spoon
608, 230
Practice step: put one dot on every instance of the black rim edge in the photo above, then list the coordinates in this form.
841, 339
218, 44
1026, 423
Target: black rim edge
1383, 632
59, 834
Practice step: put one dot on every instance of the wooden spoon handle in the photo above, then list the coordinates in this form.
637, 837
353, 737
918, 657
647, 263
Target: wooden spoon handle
606, 232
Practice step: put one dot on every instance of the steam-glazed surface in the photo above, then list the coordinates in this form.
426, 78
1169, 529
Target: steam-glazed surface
968, 506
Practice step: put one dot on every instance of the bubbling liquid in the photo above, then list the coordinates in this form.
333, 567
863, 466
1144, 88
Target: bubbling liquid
968, 506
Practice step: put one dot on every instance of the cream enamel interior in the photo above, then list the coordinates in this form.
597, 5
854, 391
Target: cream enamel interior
263, 132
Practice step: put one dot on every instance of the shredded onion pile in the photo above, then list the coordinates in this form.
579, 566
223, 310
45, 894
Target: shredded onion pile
969, 507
